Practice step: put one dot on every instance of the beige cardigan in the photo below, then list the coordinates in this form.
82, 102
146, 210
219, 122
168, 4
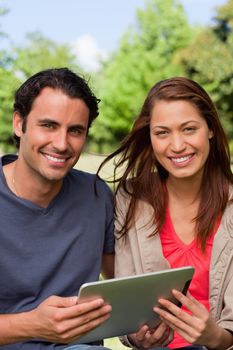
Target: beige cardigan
137, 253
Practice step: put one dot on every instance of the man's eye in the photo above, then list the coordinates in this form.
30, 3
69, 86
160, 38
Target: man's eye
47, 125
76, 131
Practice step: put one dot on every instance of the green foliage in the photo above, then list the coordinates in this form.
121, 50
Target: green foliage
147, 53
159, 45
20, 63
208, 60
8, 82
3, 11
41, 53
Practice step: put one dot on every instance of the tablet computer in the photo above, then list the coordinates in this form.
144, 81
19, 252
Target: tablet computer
132, 300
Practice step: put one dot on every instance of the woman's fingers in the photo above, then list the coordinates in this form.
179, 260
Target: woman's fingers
160, 336
191, 326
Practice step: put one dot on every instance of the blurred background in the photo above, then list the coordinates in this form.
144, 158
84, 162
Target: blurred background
122, 48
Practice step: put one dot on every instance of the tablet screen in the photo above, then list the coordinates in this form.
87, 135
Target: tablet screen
132, 300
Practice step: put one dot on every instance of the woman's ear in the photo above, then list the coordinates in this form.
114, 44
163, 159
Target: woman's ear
17, 124
211, 134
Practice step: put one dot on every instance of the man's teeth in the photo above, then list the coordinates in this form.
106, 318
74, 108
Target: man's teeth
54, 159
181, 159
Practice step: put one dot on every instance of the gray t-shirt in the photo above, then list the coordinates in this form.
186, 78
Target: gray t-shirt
53, 250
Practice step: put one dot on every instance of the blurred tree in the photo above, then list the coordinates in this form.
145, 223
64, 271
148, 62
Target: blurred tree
20, 63
7, 83
146, 54
41, 53
208, 60
3, 11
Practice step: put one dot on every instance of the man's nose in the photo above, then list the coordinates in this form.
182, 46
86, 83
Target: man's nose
60, 141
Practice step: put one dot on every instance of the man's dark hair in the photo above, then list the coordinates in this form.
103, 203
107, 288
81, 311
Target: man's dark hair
63, 79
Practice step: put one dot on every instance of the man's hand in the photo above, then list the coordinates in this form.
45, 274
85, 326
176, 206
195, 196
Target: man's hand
57, 319
64, 319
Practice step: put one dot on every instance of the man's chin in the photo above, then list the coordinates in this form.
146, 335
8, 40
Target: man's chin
55, 177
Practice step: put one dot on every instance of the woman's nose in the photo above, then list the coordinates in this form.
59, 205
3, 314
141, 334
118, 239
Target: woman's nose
177, 143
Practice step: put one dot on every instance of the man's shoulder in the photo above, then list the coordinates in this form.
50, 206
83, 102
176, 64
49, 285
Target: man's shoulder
78, 175
88, 179
8, 158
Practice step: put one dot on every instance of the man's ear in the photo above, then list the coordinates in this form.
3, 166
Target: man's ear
17, 124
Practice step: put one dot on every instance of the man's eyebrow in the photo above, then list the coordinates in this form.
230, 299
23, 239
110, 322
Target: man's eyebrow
77, 126
48, 120
54, 122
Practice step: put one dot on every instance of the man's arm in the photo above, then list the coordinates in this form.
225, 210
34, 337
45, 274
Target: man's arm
108, 265
58, 320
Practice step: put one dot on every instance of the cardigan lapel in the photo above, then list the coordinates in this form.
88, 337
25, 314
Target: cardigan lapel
149, 242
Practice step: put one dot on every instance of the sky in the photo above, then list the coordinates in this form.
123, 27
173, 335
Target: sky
92, 27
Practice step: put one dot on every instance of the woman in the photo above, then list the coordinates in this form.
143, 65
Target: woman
174, 207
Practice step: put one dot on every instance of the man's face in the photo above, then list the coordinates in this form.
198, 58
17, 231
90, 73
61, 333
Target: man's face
55, 134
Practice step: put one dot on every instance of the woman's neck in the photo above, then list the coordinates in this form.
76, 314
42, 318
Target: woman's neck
185, 190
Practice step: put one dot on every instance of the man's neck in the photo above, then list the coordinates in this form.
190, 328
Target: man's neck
33, 188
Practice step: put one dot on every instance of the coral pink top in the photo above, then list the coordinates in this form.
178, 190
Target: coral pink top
180, 254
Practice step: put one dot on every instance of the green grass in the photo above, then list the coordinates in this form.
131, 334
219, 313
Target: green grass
90, 162
114, 344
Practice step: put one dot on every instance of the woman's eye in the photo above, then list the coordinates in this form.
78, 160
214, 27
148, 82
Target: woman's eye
161, 133
190, 129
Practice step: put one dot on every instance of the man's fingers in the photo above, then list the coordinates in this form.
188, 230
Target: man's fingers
66, 323
66, 302
71, 331
56, 301
85, 312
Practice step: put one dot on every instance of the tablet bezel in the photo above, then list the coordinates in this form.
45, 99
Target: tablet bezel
132, 299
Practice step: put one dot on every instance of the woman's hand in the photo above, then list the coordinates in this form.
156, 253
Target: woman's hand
197, 328
147, 338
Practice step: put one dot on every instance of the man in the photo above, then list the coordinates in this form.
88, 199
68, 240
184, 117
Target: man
56, 222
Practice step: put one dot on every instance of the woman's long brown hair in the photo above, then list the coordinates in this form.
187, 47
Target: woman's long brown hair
136, 157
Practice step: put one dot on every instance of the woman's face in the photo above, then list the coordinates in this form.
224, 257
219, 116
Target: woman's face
179, 137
